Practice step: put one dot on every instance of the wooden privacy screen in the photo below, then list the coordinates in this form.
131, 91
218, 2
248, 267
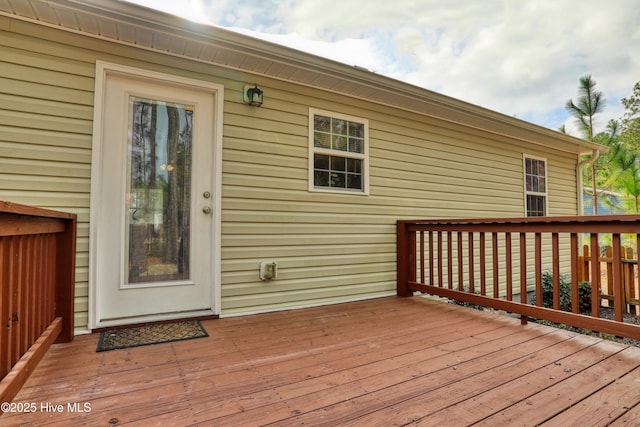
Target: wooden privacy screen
37, 273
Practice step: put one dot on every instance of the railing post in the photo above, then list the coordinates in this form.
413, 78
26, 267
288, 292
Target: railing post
509, 265
449, 260
405, 254
494, 260
440, 270
538, 268
431, 259
575, 290
523, 274
460, 263
472, 277
421, 257
555, 268
618, 294
483, 265
65, 278
595, 276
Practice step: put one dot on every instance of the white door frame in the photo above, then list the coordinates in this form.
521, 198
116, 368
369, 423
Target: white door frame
104, 69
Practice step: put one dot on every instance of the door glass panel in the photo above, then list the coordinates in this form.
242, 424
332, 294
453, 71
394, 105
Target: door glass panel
158, 197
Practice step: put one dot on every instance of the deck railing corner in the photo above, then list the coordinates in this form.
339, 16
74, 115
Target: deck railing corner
37, 271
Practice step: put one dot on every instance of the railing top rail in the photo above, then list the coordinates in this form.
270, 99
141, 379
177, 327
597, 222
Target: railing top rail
18, 209
536, 220
577, 224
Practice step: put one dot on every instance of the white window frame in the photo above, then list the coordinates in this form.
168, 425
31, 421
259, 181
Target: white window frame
318, 150
544, 194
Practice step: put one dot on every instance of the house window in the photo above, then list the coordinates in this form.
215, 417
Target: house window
535, 180
338, 153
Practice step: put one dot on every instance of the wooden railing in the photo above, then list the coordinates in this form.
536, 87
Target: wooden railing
37, 273
497, 262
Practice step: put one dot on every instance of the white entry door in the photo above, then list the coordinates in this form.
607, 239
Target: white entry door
155, 200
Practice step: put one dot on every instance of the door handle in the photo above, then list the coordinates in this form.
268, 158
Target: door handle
206, 210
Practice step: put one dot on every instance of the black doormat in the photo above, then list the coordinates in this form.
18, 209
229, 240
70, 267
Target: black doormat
150, 334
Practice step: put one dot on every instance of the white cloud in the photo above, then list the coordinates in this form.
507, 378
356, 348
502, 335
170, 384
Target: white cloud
520, 58
349, 51
189, 9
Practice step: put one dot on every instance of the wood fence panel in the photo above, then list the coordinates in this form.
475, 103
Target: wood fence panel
629, 275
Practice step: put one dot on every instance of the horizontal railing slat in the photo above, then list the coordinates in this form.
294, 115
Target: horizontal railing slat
578, 320
20, 225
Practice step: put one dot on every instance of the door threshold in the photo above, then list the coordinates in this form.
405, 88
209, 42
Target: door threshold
154, 322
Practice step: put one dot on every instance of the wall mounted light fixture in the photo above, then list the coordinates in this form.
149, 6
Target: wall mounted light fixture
253, 95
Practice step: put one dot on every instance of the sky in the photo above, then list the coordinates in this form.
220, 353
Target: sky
522, 58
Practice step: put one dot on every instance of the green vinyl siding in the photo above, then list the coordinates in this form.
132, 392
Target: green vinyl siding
329, 247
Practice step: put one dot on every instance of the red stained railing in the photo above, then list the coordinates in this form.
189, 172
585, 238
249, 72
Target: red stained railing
37, 273
494, 262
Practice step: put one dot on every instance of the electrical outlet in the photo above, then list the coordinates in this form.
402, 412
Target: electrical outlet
268, 270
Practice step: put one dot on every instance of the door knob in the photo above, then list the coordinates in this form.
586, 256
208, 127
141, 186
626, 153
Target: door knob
206, 210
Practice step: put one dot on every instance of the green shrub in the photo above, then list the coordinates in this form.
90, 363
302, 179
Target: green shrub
584, 293
584, 298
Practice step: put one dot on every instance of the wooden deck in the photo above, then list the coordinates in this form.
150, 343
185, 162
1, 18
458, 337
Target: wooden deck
390, 361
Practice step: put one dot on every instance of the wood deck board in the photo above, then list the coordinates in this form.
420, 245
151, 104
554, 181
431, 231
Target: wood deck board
467, 380
390, 361
584, 378
610, 403
531, 388
628, 419
310, 389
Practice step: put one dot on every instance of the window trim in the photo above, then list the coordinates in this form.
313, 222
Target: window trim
535, 193
313, 150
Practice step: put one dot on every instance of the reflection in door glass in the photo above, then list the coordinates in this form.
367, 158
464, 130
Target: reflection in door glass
158, 198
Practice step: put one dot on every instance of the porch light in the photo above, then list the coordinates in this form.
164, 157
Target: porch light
253, 95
